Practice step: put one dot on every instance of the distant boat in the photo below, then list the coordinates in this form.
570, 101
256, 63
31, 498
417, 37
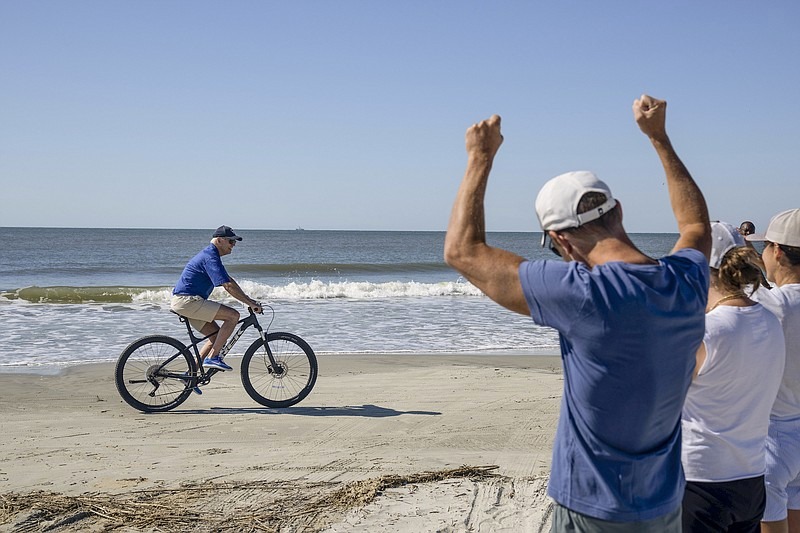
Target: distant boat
299, 229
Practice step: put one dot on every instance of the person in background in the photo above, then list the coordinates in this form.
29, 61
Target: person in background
747, 228
726, 414
781, 257
190, 296
629, 327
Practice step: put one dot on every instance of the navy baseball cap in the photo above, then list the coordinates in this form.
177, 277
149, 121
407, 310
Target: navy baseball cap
226, 232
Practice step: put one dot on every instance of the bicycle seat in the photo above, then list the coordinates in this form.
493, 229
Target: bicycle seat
180, 316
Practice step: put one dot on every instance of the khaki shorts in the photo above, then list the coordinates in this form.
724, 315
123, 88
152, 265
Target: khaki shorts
197, 309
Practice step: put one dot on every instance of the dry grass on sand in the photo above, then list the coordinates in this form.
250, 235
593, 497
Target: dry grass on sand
244, 506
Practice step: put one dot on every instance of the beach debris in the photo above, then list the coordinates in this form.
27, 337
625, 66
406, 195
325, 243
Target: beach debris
360, 493
217, 451
257, 506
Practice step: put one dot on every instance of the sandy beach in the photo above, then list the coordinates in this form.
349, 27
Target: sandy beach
407, 443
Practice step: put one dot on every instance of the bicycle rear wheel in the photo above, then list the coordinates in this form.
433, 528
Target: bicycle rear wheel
287, 383
155, 373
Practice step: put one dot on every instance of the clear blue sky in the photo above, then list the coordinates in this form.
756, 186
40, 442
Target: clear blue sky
351, 114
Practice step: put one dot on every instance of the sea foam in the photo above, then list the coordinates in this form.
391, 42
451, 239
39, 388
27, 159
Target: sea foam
312, 290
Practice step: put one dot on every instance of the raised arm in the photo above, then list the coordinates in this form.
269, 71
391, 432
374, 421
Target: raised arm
493, 270
687, 201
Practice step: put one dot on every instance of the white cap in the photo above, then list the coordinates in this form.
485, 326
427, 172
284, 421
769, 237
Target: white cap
784, 228
724, 238
557, 202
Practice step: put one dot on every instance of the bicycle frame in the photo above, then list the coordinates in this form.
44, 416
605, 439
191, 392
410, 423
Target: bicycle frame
246, 322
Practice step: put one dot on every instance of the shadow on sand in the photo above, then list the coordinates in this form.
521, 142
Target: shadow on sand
367, 411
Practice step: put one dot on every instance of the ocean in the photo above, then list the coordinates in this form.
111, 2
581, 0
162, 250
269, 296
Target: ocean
73, 296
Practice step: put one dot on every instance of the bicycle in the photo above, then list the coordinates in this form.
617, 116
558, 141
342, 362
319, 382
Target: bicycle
157, 373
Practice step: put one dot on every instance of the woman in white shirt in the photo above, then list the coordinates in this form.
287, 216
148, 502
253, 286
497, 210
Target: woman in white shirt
726, 413
781, 258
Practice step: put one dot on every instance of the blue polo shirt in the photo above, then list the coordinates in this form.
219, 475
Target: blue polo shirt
628, 334
203, 272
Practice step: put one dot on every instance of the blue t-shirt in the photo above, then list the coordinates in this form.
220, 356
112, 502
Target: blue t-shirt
203, 272
629, 334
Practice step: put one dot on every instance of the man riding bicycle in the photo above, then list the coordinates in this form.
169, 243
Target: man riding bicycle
190, 296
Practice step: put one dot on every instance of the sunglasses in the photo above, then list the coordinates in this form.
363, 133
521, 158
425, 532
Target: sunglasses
232, 241
548, 241
781, 247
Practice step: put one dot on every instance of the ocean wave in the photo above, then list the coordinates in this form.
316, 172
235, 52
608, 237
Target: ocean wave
75, 295
313, 290
316, 289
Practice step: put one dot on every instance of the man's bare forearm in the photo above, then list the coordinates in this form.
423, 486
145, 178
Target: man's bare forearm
466, 231
467, 225
688, 203
236, 291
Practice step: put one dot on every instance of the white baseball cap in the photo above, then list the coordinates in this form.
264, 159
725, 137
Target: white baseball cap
724, 238
784, 228
557, 201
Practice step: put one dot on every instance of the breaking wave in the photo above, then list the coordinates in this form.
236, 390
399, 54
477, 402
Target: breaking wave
312, 290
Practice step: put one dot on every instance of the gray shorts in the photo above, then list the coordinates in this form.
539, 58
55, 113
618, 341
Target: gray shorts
567, 521
197, 309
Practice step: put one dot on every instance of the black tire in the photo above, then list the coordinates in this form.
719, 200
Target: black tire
155, 374
287, 385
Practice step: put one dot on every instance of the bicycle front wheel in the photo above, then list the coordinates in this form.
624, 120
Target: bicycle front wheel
286, 382
155, 373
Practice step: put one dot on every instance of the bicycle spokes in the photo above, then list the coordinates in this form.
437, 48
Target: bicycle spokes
280, 372
151, 373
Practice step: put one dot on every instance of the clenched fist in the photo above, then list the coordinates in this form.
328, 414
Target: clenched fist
650, 114
484, 138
